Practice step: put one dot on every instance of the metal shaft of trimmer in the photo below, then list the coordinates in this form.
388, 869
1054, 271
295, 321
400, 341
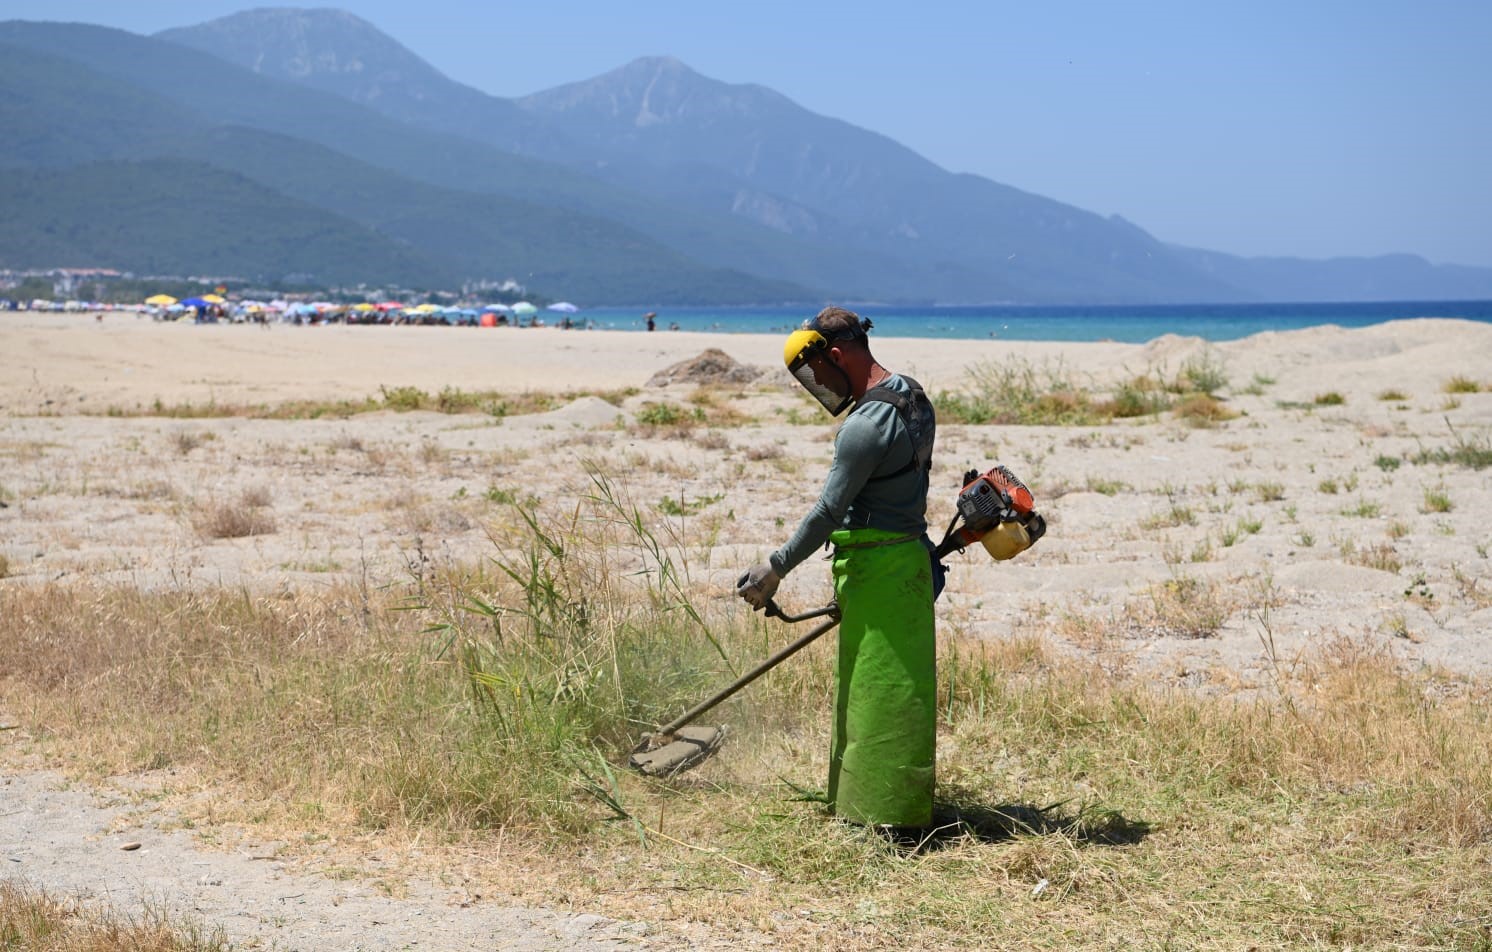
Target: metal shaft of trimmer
831, 610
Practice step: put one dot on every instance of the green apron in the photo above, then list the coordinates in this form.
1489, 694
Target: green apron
885, 707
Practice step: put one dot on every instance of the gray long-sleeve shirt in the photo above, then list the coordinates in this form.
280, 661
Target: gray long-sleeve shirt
872, 442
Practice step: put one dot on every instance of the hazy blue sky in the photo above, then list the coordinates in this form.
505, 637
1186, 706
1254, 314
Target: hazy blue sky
1312, 128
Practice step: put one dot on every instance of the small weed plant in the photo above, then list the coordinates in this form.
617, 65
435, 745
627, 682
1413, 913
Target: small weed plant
1180, 607
1472, 452
1269, 492
1203, 410
1203, 373
246, 514
1436, 500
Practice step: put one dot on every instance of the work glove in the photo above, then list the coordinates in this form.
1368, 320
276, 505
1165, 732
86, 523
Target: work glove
758, 585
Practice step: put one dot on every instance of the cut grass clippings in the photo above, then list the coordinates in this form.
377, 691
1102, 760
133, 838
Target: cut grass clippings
1343, 802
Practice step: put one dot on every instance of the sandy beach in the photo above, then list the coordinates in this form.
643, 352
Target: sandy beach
1319, 503
1329, 509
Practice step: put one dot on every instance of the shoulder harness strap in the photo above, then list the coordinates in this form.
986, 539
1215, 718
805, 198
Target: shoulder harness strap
916, 415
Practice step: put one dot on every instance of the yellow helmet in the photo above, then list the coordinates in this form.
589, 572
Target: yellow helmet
801, 346
798, 352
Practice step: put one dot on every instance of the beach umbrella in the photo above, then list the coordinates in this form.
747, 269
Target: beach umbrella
160, 300
214, 299
389, 306
563, 306
524, 309
498, 308
364, 307
196, 302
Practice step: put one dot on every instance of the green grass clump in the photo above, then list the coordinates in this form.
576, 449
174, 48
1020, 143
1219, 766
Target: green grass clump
1330, 398
1269, 492
1141, 396
1106, 486
1017, 393
1462, 384
1365, 509
1203, 373
1474, 453
1436, 500
1176, 515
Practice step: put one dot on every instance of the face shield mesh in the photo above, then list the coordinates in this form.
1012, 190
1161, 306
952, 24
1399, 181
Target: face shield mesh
806, 355
832, 400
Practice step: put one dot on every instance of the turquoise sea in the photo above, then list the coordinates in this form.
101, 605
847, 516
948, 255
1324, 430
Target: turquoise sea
1131, 324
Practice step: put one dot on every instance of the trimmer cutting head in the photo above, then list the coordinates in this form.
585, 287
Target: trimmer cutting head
664, 755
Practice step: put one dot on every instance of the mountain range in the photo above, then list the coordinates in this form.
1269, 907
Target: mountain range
306, 142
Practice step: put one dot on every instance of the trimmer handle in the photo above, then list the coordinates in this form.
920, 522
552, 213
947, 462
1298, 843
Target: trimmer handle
774, 611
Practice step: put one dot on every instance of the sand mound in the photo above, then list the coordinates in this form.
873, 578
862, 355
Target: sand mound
585, 411
711, 366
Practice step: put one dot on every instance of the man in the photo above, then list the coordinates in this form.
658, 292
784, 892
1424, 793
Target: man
872, 509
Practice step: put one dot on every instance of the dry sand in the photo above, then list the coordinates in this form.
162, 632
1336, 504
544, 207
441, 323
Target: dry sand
112, 497
1292, 505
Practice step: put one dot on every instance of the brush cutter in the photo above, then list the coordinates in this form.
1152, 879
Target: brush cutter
994, 508
676, 746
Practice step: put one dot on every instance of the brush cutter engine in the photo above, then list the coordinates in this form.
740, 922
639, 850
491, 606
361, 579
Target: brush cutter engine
998, 511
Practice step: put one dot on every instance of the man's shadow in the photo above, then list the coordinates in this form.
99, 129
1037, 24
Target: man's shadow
959, 820
959, 817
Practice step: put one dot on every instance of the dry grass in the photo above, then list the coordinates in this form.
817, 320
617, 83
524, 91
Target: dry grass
1349, 805
246, 514
1382, 556
33, 921
1204, 410
184, 441
1180, 607
400, 399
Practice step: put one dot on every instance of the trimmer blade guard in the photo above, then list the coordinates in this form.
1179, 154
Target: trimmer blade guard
664, 755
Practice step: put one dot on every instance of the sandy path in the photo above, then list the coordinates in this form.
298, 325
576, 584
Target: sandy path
70, 842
